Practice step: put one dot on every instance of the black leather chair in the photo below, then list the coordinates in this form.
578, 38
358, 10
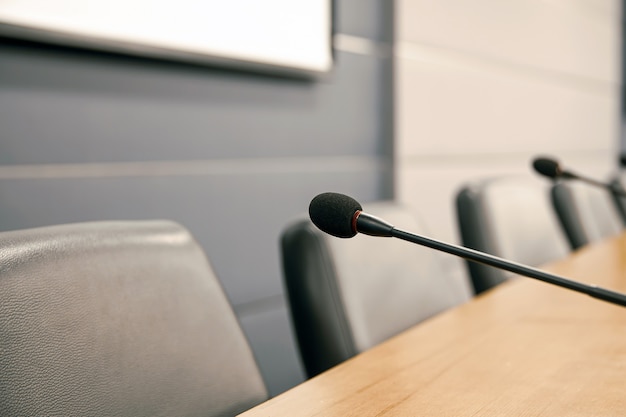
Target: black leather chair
118, 319
510, 217
587, 213
347, 295
619, 195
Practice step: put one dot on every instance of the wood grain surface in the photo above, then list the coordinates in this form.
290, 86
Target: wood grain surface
525, 348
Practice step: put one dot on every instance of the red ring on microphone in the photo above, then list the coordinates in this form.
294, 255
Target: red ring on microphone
354, 219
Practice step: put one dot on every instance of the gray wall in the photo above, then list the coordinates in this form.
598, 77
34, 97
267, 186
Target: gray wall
231, 155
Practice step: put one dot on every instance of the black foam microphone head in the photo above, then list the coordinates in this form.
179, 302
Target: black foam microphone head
547, 167
333, 213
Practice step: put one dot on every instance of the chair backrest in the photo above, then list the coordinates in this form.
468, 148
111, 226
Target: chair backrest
118, 319
619, 195
347, 295
587, 213
510, 217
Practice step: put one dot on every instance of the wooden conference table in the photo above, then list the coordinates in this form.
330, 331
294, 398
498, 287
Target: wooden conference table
525, 348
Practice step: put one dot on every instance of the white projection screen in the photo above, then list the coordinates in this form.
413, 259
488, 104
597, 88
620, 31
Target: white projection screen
284, 35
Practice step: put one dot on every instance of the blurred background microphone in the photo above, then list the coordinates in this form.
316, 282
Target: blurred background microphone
552, 169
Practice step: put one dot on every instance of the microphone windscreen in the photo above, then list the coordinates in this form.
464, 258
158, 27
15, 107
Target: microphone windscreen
548, 167
333, 213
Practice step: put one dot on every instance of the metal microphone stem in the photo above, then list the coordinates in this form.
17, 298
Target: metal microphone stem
491, 260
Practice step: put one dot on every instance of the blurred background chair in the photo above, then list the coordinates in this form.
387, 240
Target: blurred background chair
587, 213
347, 295
617, 184
510, 217
118, 319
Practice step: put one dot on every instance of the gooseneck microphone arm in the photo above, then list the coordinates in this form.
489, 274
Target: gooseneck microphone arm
372, 225
607, 186
342, 216
599, 184
484, 258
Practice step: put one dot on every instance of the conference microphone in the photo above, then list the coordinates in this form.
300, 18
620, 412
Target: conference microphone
552, 169
342, 216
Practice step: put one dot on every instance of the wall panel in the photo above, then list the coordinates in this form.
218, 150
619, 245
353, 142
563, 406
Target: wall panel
483, 87
573, 38
231, 155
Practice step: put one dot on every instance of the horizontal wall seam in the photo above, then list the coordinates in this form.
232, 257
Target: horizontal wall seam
260, 306
468, 61
256, 166
436, 159
362, 46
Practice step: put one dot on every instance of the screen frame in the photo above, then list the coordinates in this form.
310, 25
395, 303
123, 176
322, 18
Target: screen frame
76, 39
